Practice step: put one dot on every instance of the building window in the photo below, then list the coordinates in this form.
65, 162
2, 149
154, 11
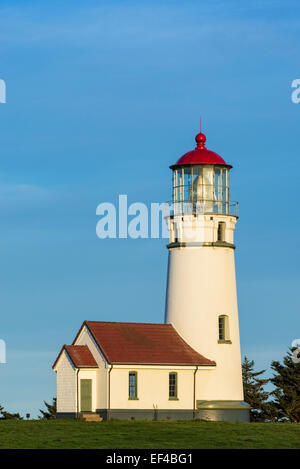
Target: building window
132, 392
172, 385
221, 231
224, 329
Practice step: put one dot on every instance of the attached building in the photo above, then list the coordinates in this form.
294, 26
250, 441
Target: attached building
129, 370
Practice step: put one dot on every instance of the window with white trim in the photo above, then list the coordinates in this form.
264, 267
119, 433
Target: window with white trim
221, 231
132, 391
173, 385
223, 324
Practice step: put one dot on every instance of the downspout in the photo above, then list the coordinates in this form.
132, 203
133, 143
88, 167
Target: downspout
77, 392
108, 404
194, 393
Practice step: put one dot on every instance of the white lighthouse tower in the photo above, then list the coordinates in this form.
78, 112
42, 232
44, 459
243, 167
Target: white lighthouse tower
201, 301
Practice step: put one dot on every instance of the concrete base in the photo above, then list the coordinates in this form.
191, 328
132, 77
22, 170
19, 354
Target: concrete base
230, 411
145, 414
66, 415
227, 411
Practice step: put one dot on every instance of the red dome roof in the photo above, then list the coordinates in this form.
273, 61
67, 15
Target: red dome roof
201, 154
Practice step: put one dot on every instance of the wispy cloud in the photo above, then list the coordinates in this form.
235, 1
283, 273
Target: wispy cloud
30, 354
25, 193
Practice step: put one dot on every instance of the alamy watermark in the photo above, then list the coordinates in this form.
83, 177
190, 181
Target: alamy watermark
2, 91
2, 351
132, 221
140, 221
295, 96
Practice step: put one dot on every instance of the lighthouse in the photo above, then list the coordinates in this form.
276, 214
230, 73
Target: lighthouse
201, 298
189, 367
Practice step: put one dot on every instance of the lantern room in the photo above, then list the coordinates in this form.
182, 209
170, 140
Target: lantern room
201, 182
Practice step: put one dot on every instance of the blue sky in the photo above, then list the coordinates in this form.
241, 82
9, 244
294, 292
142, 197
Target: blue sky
102, 96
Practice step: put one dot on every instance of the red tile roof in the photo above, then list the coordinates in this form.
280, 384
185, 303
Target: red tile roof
80, 356
138, 343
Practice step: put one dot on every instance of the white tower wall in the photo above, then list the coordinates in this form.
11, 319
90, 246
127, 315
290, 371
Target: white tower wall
201, 287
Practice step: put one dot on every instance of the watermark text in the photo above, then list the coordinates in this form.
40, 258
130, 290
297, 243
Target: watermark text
2, 91
2, 351
295, 96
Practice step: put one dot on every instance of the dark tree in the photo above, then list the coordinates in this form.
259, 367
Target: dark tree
286, 395
8, 416
50, 413
254, 392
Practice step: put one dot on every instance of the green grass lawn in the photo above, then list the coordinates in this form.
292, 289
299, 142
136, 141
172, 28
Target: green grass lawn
140, 434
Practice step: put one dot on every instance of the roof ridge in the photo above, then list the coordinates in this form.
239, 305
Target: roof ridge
73, 345
133, 323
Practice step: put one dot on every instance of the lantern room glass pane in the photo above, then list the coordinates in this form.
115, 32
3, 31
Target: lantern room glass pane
196, 192
208, 189
218, 190
174, 185
187, 177
224, 190
201, 188
179, 171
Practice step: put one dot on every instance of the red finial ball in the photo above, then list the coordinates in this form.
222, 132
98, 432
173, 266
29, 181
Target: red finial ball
200, 139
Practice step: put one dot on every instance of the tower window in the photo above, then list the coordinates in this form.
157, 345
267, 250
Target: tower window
221, 231
224, 329
221, 327
172, 385
132, 385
